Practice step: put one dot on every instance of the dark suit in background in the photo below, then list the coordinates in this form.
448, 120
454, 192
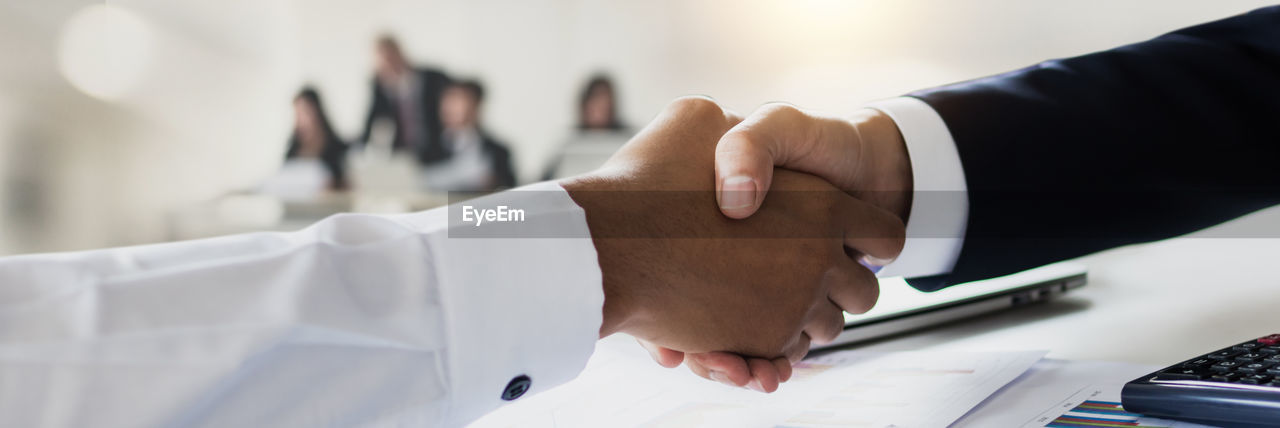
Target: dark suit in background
504, 174
1134, 144
427, 147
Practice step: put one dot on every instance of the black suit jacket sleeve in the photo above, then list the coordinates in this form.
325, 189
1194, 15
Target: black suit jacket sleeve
1134, 144
504, 174
433, 85
379, 106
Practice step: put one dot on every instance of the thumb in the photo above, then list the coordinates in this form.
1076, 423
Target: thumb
744, 171
784, 136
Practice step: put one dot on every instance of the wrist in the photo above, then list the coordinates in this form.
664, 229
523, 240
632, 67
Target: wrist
590, 192
885, 165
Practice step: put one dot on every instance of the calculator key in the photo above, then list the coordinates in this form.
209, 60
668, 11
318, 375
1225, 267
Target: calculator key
1225, 366
1248, 346
1225, 377
1273, 339
1254, 368
1199, 362
1255, 379
1182, 374
1270, 350
1250, 357
1223, 354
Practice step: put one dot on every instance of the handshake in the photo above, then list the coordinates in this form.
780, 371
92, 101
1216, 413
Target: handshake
738, 293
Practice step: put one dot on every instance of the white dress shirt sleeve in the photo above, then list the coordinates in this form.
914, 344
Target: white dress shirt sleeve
358, 320
940, 201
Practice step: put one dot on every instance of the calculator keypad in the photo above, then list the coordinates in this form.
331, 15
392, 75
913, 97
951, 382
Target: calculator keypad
1256, 362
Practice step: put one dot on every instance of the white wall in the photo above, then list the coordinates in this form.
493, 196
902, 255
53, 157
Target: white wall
213, 113
207, 118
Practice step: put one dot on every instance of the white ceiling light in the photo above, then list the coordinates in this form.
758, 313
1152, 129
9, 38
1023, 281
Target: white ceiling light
105, 50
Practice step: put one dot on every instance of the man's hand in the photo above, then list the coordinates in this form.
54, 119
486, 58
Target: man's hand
681, 276
760, 374
864, 155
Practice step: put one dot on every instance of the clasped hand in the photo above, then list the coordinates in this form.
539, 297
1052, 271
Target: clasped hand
739, 292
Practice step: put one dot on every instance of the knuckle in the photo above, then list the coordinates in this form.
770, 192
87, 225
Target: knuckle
837, 326
696, 105
890, 235
797, 352
898, 236
828, 336
827, 332
781, 110
870, 294
739, 143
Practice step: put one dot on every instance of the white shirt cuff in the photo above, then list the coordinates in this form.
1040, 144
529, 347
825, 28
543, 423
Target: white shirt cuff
940, 200
524, 302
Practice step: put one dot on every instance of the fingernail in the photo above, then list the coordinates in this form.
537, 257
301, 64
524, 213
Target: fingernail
721, 377
755, 386
875, 264
737, 192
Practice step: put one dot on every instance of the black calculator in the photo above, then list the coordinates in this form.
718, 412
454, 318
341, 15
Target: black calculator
1234, 386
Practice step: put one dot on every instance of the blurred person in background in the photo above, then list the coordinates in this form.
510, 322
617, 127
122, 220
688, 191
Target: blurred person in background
475, 160
315, 162
598, 106
599, 133
408, 98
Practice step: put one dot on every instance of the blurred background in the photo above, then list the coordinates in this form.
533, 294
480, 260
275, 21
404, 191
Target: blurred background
138, 121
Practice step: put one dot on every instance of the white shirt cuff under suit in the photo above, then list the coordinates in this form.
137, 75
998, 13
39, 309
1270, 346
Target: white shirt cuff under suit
940, 202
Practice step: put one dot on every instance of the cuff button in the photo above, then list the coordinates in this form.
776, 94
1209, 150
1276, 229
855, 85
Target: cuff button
516, 388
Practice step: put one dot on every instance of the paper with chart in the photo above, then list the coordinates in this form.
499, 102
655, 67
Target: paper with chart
1098, 406
842, 389
1065, 393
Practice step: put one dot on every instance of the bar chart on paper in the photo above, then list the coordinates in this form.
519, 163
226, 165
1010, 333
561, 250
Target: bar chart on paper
1098, 406
1092, 413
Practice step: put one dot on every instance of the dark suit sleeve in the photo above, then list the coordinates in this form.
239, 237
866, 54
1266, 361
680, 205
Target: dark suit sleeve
379, 106
1134, 144
500, 163
434, 83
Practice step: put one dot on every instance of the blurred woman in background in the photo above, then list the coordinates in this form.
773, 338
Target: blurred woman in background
600, 133
316, 159
598, 106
